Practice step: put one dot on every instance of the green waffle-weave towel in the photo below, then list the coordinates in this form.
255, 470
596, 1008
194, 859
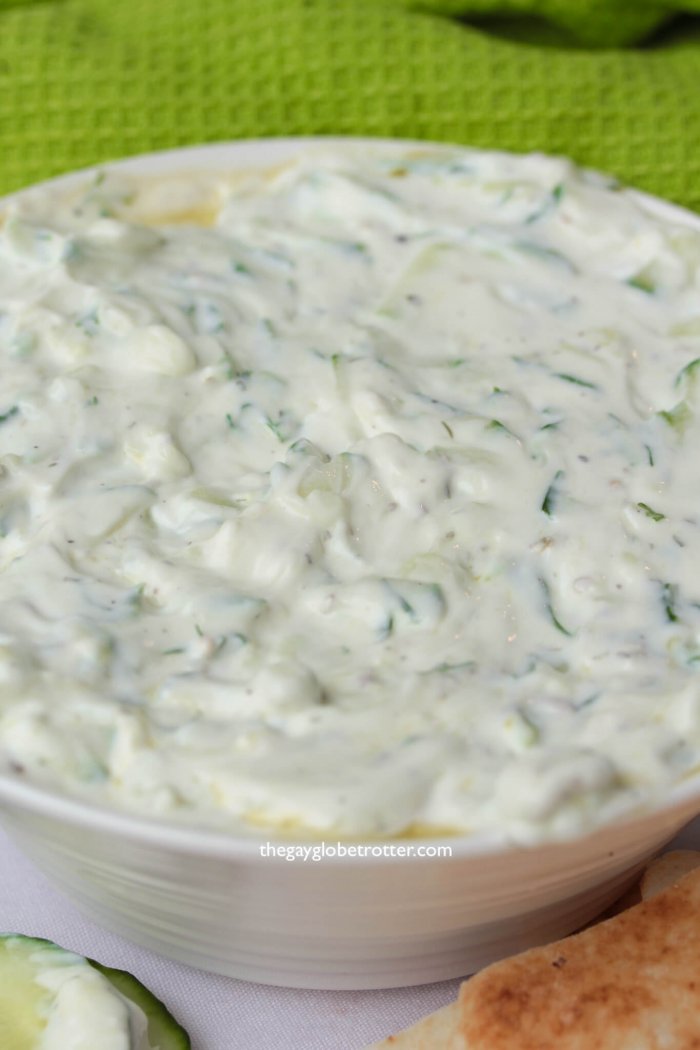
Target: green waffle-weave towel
613, 83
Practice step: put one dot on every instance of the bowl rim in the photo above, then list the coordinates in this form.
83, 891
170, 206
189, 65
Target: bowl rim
256, 153
185, 837
252, 154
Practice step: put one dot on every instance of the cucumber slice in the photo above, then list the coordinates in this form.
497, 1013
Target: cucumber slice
164, 1033
52, 999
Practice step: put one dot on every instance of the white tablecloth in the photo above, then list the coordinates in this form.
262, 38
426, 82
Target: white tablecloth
223, 1014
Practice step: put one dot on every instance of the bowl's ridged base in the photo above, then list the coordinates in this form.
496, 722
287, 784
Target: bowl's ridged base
357, 924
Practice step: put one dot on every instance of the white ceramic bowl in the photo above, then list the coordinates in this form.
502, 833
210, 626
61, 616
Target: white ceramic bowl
214, 902
211, 900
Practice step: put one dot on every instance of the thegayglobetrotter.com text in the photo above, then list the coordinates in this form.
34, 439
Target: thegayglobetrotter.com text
319, 850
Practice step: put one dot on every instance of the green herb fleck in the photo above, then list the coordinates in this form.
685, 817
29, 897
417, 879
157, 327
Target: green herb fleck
227, 363
403, 604
669, 596
495, 424
283, 427
135, 598
199, 630
274, 427
688, 371
642, 282
240, 267
386, 629
650, 512
576, 380
355, 247
446, 668
231, 421
650, 455
550, 496
173, 652
678, 416
235, 637
9, 414
448, 428
551, 202
548, 605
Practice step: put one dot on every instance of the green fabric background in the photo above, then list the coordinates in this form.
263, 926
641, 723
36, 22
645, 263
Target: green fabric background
613, 83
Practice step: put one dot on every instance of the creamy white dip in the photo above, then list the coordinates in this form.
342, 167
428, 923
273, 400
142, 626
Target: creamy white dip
372, 507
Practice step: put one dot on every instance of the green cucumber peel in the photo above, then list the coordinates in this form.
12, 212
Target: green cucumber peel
164, 1031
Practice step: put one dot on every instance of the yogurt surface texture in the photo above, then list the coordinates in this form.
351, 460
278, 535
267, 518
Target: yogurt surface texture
368, 506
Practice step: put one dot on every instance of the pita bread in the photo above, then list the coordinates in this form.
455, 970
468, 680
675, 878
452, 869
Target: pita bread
438, 1031
630, 983
667, 869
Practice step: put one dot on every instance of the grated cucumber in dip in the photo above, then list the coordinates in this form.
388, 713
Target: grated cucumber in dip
368, 507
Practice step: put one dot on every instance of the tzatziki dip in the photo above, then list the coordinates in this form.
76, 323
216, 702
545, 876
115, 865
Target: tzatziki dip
365, 501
